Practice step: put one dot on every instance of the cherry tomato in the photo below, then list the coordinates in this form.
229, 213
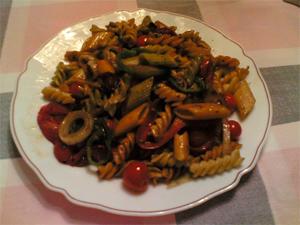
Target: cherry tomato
135, 176
235, 129
49, 118
230, 101
141, 41
50, 130
62, 152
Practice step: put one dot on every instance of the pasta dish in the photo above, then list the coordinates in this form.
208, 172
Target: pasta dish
143, 102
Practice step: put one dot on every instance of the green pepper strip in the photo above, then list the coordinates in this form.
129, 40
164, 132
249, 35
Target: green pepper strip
200, 86
102, 132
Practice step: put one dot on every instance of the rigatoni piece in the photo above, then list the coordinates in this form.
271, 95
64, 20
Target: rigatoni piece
181, 146
245, 99
201, 111
132, 119
139, 94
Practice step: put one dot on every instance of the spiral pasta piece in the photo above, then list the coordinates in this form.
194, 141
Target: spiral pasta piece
166, 175
63, 72
126, 30
165, 39
119, 95
130, 32
228, 82
164, 159
219, 151
123, 150
193, 50
195, 37
169, 95
108, 171
162, 123
219, 165
226, 61
56, 95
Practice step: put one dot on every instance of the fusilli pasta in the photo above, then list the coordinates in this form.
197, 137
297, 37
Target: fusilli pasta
169, 95
219, 165
162, 123
121, 153
56, 95
108, 171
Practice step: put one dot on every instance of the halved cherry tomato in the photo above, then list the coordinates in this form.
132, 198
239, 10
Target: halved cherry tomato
49, 118
141, 41
62, 152
135, 177
230, 101
235, 129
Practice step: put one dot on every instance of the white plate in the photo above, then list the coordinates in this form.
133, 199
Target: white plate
83, 188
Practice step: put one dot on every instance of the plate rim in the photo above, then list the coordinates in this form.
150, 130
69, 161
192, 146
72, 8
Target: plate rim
109, 209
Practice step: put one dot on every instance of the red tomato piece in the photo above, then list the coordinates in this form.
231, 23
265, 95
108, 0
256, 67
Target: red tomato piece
50, 130
49, 119
235, 129
230, 101
141, 41
62, 152
135, 176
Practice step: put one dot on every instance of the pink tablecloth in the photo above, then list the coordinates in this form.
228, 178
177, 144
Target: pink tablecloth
269, 32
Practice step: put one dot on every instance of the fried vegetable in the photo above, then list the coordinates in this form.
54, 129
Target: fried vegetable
201, 111
245, 99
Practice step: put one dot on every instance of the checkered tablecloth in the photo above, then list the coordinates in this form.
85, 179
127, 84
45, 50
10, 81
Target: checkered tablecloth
268, 30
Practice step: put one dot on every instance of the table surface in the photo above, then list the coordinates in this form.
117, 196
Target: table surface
269, 31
